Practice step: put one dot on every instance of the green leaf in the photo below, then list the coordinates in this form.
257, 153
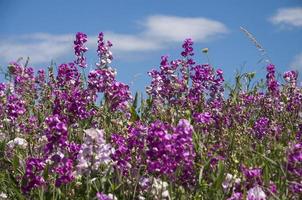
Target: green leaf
135, 101
15, 162
220, 176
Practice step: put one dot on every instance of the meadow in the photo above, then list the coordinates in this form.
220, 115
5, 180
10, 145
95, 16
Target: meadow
67, 135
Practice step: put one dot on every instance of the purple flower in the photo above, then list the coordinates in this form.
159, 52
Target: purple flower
272, 188
118, 96
188, 49
129, 152
261, 127
102, 196
105, 55
252, 173
64, 171
168, 152
272, 84
291, 77
80, 49
203, 118
294, 159
236, 196
101, 80
33, 176
296, 188
15, 107
68, 76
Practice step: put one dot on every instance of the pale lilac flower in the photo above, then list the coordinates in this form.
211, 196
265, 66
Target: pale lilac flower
2, 136
159, 189
17, 142
227, 183
236, 196
101, 196
256, 193
94, 151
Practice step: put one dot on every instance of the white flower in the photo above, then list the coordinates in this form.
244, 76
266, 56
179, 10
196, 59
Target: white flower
17, 142
256, 193
3, 195
160, 189
2, 136
94, 151
112, 196
227, 181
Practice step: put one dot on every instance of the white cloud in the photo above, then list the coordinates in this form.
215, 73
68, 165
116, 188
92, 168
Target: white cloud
288, 16
40, 47
123, 42
176, 29
158, 32
297, 62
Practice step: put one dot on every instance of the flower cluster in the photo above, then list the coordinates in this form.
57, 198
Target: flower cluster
129, 153
33, 175
66, 135
103, 51
80, 49
261, 127
294, 167
15, 107
94, 152
100, 80
17, 143
166, 151
101, 196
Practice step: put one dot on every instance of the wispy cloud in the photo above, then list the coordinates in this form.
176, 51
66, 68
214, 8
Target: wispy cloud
291, 17
159, 31
297, 62
125, 42
40, 47
171, 28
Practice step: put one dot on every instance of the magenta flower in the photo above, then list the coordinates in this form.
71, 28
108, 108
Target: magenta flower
80, 49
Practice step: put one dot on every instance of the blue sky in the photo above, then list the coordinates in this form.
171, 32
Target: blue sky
142, 31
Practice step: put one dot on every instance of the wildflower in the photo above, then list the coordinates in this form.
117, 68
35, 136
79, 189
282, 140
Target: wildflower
33, 177
80, 49
2, 89
256, 193
236, 196
17, 142
159, 189
188, 49
101, 80
272, 187
2, 136
294, 168
101, 196
203, 118
291, 77
272, 84
94, 151
261, 127
105, 55
226, 184
15, 107
119, 96
168, 152
3, 195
